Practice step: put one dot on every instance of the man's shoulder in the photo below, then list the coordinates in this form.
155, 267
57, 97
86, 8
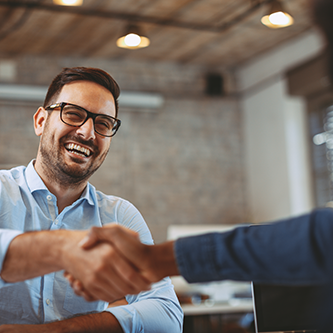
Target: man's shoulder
12, 174
110, 199
112, 204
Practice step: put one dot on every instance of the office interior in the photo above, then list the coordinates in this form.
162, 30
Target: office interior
225, 121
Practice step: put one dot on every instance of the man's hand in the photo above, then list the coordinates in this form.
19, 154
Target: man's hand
153, 262
104, 272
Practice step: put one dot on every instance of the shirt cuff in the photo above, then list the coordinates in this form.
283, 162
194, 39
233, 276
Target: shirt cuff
128, 318
6, 236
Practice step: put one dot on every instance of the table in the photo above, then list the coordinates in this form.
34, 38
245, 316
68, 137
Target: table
211, 318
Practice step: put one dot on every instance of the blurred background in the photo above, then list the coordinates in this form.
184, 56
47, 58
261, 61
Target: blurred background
225, 120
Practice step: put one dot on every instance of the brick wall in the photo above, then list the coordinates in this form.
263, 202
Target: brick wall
181, 164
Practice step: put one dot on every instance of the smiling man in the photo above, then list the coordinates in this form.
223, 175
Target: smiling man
45, 209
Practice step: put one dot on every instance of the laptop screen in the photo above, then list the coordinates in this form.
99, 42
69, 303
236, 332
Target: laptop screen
284, 308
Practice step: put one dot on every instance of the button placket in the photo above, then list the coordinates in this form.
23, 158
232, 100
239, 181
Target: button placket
48, 297
52, 208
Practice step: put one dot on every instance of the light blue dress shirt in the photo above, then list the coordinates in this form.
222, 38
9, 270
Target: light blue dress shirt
25, 205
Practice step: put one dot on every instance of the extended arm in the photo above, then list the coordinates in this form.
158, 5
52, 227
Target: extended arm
294, 251
38, 253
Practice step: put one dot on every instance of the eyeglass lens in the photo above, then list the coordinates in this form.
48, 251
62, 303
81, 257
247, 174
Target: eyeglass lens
75, 116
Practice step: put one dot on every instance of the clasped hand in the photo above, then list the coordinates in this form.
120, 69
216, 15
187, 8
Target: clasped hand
110, 263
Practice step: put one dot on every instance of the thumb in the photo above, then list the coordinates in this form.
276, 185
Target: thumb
107, 233
91, 239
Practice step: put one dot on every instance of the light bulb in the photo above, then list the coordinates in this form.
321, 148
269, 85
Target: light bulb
68, 2
279, 18
132, 40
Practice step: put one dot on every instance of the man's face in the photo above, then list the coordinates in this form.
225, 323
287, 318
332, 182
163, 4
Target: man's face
67, 154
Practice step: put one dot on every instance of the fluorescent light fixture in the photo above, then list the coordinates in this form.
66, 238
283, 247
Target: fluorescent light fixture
141, 100
38, 93
22, 93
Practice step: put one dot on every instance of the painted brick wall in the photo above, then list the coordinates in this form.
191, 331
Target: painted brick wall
181, 164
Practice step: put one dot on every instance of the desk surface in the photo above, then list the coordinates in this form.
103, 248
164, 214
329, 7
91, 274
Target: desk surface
234, 306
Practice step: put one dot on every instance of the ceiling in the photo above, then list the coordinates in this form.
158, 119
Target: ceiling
203, 32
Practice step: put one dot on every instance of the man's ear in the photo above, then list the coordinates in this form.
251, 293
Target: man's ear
39, 120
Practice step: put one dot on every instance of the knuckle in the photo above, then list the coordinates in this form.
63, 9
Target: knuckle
131, 275
98, 270
93, 230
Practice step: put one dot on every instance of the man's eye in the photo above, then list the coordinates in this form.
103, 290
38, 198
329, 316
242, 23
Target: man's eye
74, 114
104, 124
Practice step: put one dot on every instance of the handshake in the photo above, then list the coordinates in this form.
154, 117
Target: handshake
117, 264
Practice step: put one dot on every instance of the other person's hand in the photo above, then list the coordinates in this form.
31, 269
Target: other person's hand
102, 272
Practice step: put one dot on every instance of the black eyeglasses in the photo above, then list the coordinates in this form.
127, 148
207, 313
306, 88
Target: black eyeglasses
74, 115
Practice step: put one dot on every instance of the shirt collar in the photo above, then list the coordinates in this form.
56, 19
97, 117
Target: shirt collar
35, 183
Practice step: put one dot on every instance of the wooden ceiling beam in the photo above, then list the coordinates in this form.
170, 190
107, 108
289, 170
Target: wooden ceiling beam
88, 11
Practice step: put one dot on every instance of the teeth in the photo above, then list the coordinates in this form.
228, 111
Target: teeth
78, 148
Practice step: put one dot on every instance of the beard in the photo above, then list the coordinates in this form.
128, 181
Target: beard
57, 170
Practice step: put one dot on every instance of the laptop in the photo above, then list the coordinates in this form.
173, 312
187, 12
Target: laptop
285, 309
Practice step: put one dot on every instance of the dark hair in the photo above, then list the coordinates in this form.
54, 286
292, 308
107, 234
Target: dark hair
68, 75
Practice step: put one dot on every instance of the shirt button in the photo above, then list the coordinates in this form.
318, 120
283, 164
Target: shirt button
48, 301
49, 197
56, 222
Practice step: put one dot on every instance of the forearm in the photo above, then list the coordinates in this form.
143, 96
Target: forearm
162, 261
293, 251
37, 253
91, 323
103, 322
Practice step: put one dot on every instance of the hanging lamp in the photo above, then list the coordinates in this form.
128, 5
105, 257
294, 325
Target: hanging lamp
133, 39
277, 17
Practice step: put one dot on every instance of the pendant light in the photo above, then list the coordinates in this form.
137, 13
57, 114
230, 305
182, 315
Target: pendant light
68, 2
277, 17
133, 39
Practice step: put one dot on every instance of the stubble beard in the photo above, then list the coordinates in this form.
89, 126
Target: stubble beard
57, 170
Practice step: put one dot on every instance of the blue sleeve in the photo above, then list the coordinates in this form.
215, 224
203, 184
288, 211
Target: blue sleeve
292, 251
157, 310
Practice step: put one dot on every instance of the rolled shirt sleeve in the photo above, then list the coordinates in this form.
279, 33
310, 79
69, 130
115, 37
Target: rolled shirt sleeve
157, 310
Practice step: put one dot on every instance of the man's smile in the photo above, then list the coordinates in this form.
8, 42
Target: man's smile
78, 150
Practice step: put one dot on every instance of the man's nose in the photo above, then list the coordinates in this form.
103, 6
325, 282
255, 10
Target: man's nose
87, 130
